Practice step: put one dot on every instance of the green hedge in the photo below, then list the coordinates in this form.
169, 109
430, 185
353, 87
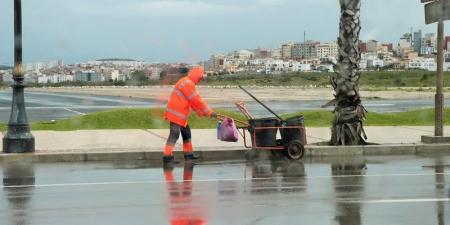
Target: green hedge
153, 119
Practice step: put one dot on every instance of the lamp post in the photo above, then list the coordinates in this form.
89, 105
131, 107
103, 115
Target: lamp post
18, 138
437, 11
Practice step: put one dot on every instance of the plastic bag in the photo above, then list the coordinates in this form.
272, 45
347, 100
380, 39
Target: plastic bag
227, 131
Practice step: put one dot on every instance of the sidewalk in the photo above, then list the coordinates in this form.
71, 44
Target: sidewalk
86, 145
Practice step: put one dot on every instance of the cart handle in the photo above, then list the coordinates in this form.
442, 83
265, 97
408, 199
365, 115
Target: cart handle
222, 117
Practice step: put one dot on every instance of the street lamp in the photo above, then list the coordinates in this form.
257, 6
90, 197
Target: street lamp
438, 11
18, 138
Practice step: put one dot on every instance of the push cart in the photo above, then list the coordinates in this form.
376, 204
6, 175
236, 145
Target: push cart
263, 133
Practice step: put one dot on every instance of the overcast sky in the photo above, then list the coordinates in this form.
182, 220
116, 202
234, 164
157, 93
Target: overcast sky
188, 30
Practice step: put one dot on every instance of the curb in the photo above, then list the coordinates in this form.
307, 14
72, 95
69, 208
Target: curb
229, 153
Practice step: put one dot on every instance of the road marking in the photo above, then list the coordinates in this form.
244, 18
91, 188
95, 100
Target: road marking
411, 200
79, 113
206, 180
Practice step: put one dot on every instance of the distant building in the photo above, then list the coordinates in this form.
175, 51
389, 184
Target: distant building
417, 41
43, 65
275, 53
447, 41
88, 76
286, 51
423, 63
117, 76
262, 53
405, 41
306, 50
429, 44
370, 60
119, 62
327, 50
54, 79
372, 46
155, 73
243, 55
216, 62
6, 76
389, 46
428, 50
300, 67
375, 63
362, 47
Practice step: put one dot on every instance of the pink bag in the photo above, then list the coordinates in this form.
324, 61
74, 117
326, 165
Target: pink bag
228, 131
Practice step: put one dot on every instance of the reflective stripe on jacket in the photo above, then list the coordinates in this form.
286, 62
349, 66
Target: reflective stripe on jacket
184, 97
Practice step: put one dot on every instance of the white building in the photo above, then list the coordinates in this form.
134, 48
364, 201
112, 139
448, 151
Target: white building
423, 63
427, 50
405, 41
54, 78
279, 66
276, 66
374, 63
299, 67
363, 64
34, 67
6, 76
119, 62
370, 60
116, 76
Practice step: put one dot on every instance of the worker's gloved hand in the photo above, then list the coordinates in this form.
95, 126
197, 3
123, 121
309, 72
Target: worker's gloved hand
213, 115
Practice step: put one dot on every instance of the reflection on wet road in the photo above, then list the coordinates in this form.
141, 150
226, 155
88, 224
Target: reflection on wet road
373, 190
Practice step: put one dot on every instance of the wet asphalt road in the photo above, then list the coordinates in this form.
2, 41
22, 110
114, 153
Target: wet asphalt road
55, 106
377, 190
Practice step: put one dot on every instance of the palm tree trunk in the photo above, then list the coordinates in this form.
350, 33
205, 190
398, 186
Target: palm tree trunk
349, 113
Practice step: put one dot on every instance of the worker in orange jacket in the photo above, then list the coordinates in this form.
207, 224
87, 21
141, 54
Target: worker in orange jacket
183, 98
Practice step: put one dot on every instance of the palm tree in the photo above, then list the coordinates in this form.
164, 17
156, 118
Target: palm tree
349, 114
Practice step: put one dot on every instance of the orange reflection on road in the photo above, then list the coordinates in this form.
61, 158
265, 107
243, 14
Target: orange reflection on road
183, 208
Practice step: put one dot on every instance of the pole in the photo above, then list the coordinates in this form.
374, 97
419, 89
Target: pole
18, 138
439, 98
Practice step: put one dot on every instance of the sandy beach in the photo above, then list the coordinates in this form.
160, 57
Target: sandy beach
233, 94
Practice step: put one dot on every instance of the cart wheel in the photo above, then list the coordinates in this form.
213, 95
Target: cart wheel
295, 150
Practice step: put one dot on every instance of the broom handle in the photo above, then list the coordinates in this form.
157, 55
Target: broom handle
260, 103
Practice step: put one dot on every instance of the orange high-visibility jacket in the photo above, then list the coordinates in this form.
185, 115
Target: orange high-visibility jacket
184, 97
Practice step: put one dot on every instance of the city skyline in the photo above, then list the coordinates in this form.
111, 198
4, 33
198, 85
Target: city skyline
188, 31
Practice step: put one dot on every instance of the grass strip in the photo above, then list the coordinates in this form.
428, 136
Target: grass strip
153, 119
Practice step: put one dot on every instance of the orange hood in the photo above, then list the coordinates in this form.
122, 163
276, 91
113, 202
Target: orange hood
196, 74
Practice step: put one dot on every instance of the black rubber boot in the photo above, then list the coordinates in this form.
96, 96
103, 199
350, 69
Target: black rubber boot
190, 156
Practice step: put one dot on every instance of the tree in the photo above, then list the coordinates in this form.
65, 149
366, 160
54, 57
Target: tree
139, 76
349, 113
